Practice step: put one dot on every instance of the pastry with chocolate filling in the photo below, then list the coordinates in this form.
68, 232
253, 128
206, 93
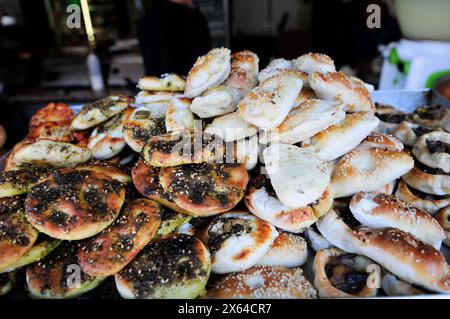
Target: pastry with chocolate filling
433, 117
7, 282
431, 203
433, 150
183, 147
262, 201
205, 189
338, 274
20, 181
408, 132
390, 118
263, 282
17, 235
74, 204
43, 246
288, 250
237, 241
146, 181
58, 276
428, 180
108, 252
140, 127
175, 267
443, 218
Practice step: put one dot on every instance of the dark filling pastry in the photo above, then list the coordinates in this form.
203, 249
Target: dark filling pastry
347, 217
167, 262
438, 147
426, 196
157, 127
432, 112
343, 276
419, 131
22, 177
391, 117
223, 228
428, 170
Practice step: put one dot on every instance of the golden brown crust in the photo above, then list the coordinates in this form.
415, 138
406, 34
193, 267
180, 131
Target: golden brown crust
381, 141
167, 82
114, 171
111, 250
433, 150
244, 71
261, 200
72, 204
432, 117
205, 189
443, 218
333, 269
17, 236
430, 183
368, 170
430, 203
262, 282
20, 181
57, 113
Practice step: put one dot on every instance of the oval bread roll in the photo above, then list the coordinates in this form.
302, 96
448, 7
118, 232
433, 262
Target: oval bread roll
314, 62
179, 115
380, 211
269, 103
166, 82
217, 100
366, 170
209, 70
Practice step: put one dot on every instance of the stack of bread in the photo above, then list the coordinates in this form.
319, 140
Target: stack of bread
245, 174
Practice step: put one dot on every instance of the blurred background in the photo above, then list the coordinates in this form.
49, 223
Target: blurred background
76, 51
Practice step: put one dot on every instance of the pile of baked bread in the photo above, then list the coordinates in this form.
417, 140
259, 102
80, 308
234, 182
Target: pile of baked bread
226, 184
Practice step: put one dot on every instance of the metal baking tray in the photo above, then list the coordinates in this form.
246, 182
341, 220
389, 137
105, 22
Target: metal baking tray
404, 100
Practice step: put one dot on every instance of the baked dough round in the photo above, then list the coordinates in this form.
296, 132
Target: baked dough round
20, 181
431, 203
381, 210
366, 170
209, 70
262, 201
273, 68
115, 171
244, 71
263, 283
338, 274
428, 180
433, 150
314, 62
55, 277
378, 140
111, 250
17, 236
73, 205
175, 267
146, 181
408, 132
443, 217
390, 118
237, 241
433, 117
140, 127
165, 82
287, 250
205, 189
